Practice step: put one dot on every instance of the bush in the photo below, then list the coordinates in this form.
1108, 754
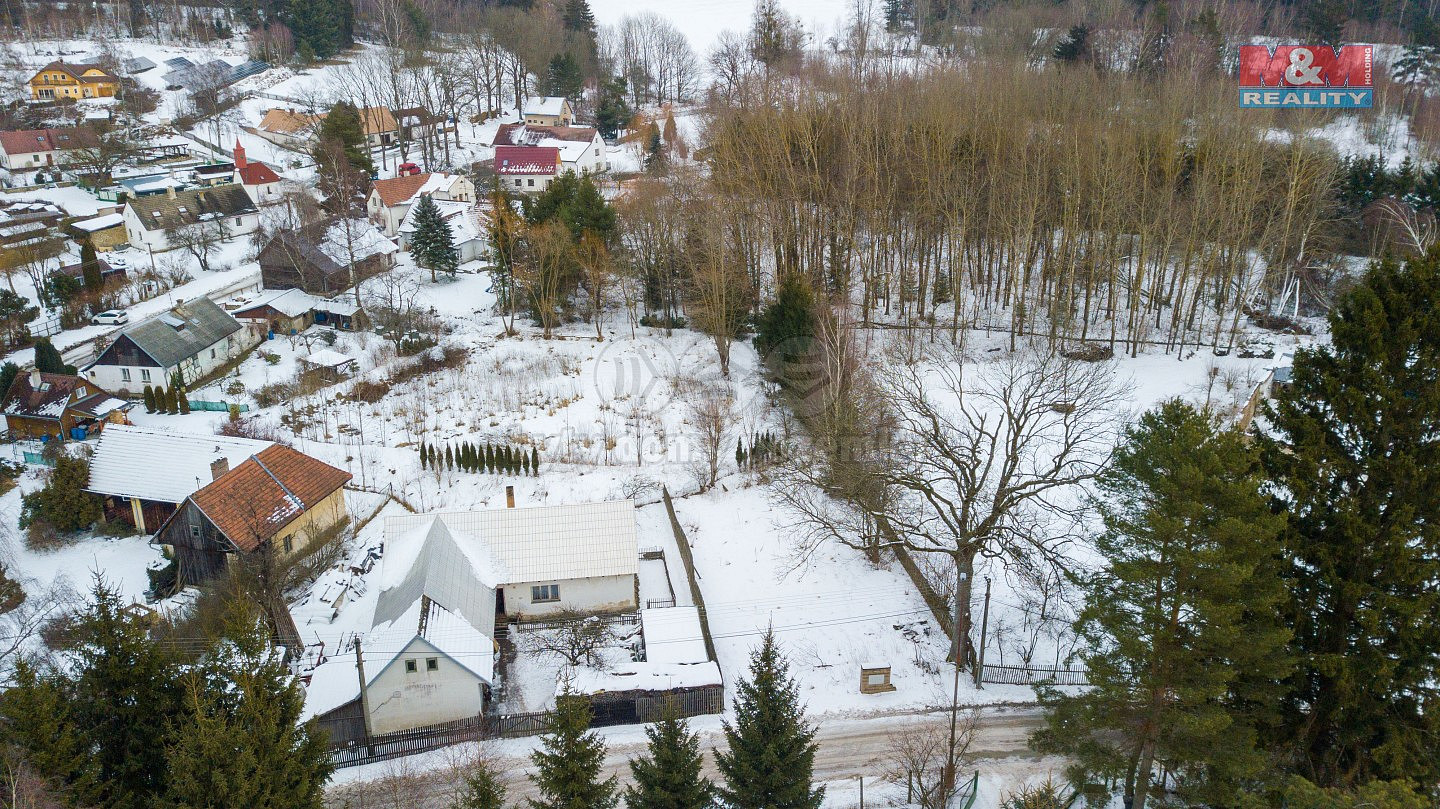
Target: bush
369, 392
328, 337
234, 388
63, 504
270, 358
275, 393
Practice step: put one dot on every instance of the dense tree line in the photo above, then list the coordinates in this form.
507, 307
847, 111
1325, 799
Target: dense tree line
123, 720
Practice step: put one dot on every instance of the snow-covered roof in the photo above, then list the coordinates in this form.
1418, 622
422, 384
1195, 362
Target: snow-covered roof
543, 543
426, 559
672, 635
462, 217
545, 105
328, 358
160, 465
367, 241
570, 151
294, 303
639, 676
102, 222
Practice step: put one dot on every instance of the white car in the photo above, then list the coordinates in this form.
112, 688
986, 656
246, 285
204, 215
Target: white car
114, 317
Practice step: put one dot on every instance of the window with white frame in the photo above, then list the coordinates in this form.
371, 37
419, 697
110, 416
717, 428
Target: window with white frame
544, 592
432, 664
411, 667
144, 374
125, 374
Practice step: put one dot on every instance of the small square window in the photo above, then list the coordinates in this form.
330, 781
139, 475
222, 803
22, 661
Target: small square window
432, 664
530, 182
195, 531
411, 667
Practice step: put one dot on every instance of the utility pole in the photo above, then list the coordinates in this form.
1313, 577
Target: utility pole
984, 626
364, 697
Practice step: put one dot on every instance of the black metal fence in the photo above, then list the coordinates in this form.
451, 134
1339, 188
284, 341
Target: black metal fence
1030, 675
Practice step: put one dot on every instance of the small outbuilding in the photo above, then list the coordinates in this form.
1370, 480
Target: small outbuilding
45, 406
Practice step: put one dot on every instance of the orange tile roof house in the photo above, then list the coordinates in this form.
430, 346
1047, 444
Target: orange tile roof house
390, 199
61, 80
286, 127
278, 499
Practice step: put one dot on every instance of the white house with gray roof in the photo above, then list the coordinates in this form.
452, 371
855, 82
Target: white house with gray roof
192, 339
429, 656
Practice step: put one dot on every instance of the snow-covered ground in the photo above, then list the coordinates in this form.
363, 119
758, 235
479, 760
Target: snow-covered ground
702, 21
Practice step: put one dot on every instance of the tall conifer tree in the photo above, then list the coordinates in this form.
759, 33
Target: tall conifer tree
568, 763
1355, 452
770, 751
1184, 649
669, 775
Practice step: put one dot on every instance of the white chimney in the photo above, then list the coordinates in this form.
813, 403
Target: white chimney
35, 382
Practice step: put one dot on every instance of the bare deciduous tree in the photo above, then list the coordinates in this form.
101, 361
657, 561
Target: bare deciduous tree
574, 637
993, 467
922, 754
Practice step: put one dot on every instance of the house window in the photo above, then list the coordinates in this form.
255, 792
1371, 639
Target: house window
530, 182
195, 532
432, 664
212, 353
239, 221
517, 182
411, 667
289, 544
124, 374
144, 374
544, 592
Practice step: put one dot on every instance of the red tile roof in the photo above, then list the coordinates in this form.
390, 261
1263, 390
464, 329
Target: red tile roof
257, 174
526, 159
266, 492
399, 189
25, 141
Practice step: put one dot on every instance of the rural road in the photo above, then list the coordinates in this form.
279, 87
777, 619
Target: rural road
848, 748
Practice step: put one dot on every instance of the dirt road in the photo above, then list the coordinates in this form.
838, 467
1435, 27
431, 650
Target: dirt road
848, 748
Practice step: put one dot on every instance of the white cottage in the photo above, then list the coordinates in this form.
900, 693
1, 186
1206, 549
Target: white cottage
226, 209
192, 340
430, 655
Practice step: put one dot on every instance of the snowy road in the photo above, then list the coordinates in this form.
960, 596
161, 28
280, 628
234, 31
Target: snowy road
849, 748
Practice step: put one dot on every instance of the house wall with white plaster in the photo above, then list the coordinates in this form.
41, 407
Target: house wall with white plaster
588, 595
401, 699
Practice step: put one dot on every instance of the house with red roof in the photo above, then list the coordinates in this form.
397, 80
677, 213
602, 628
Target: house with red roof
527, 168
278, 500
390, 199
259, 180
33, 149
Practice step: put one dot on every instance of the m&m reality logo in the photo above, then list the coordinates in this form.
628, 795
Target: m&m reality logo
1314, 76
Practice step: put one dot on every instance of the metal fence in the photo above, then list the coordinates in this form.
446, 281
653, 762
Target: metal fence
221, 407
1030, 675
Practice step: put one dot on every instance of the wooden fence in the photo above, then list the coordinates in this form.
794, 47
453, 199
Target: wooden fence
1030, 675
349, 746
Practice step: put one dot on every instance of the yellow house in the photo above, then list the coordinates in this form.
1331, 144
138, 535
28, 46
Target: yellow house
60, 80
278, 500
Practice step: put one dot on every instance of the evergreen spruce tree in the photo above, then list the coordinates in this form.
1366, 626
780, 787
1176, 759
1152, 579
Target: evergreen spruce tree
424, 460
244, 745
48, 360
654, 151
1075, 47
483, 788
63, 501
38, 721
770, 751
490, 458
342, 125
612, 111
535, 461
740, 453
669, 775
1188, 532
8, 372
577, 17
149, 399
1354, 452
172, 401
524, 464
449, 458
126, 698
90, 269
787, 325
432, 244
563, 76
568, 763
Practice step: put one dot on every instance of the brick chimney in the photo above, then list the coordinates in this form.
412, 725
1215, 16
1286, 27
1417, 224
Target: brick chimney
219, 467
239, 155
509, 496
